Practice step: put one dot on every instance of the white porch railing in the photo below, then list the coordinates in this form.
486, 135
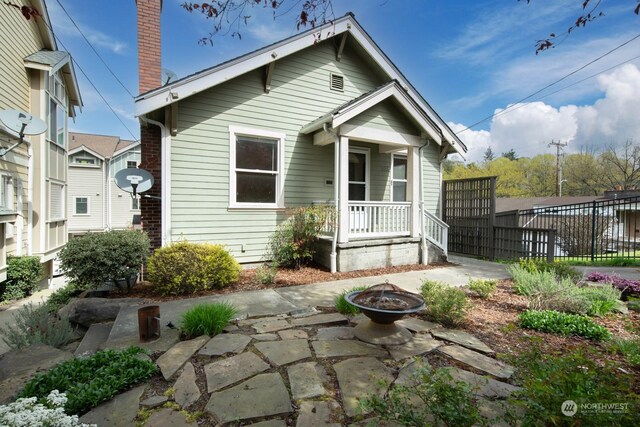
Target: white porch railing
436, 231
379, 219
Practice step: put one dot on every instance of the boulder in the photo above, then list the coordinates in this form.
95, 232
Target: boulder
87, 311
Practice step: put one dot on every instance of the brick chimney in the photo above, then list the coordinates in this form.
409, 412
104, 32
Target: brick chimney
150, 77
149, 60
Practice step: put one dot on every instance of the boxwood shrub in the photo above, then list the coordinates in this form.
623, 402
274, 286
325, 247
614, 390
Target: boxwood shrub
23, 275
556, 322
185, 267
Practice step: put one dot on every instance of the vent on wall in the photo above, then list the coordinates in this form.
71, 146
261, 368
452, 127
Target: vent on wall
337, 82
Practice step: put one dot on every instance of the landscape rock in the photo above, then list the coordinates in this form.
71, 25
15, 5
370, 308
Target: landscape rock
305, 381
176, 356
417, 325
293, 334
335, 333
225, 343
167, 417
154, 401
119, 411
320, 319
463, 338
265, 337
270, 325
340, 348
409, 373
323, 413
283, 352
478, 361
260, 396
87, 311
420, 344
233, 369
186, 389
97, 335
360, 377
483, 386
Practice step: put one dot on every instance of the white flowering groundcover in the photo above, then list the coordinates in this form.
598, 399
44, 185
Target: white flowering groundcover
27, 412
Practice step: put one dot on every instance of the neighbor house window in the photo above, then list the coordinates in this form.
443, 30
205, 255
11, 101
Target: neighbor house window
57, 110
256, 166
84, 161
135, 203
56, 203
7, 195
399, 178
81, 206
132, 164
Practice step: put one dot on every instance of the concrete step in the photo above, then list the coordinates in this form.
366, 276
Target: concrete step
95, 337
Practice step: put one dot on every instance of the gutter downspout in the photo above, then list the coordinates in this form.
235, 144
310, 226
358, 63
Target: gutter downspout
30, 200
165, 165
423, 240
336, 181
106, 195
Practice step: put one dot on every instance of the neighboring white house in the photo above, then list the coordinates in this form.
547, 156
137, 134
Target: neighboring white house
95, 203
39, 79
323, 116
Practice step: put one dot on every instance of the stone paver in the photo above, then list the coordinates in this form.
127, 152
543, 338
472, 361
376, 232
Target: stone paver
265, 337
176, 356
97, 335
417, 325
293, 334
233, 369
154, 401
323, 413
335, 333
409, 373
225, 343
340, 348
284, 352
420, 344
269, 423
320, 319
167, 417
360, 377
119, 411
260, 396
478, 361
187, 391
305, 381
463, 338
266, 326
483, 386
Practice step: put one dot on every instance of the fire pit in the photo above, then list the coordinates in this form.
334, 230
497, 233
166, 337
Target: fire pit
383, 304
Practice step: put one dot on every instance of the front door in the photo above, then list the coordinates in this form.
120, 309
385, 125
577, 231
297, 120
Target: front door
358, 174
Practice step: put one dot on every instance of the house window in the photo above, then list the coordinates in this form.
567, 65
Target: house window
84, 161
358, 174
399, 179
256, 165
56, 203
135, 203
81, 206
7, 195
132, 164
56, 111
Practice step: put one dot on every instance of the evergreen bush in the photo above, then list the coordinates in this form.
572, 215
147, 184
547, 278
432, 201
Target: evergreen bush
444, 304
23, 275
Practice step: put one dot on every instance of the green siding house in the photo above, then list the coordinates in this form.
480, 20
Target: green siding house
304, 121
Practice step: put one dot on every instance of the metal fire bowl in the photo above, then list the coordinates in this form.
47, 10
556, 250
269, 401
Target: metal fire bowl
385, 317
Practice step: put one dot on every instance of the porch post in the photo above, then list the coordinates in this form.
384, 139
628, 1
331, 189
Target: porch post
343, 190
413, 188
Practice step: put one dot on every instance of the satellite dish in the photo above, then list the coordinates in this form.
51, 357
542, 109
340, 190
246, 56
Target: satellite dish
23, 124
134, 180
168, 76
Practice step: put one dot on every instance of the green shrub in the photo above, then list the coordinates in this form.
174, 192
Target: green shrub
343, 306
602, 299
444, 304
62, 297
90, 380
35, 325
23, 275
207, 319
292, 245
563, 324
185, 267
94, 258
549, 380
266, 274
484, 288
559, 269
629, 348
434, 399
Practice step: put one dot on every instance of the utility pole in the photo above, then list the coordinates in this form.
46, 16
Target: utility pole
558, 146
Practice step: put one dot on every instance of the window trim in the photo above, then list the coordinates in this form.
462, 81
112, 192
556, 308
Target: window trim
406, 180
8, 183
75, 206
367, 173
131, 209
234, 132
63, 201
132, 161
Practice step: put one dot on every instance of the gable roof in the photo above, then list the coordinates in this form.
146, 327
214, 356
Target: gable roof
210, 77
103, 146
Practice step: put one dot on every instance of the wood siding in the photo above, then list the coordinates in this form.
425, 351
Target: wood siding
86, 181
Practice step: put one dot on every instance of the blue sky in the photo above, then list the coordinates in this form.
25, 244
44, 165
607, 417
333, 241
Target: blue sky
469, 59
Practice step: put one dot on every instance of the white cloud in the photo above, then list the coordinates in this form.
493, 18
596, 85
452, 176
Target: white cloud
528, 128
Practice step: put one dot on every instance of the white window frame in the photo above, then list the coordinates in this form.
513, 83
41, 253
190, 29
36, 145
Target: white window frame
8, 196
56, 92
393, 180
234, 132
63, 201
367, 172
75, 206
132, 209
86, 165
132, 161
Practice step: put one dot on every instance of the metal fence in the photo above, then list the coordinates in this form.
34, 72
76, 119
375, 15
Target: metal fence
594, 230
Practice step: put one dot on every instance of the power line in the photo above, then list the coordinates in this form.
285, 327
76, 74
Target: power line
94, 50
549, 85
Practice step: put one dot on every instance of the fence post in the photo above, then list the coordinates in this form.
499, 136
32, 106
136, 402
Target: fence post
551, 245
492, 220
594, 212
